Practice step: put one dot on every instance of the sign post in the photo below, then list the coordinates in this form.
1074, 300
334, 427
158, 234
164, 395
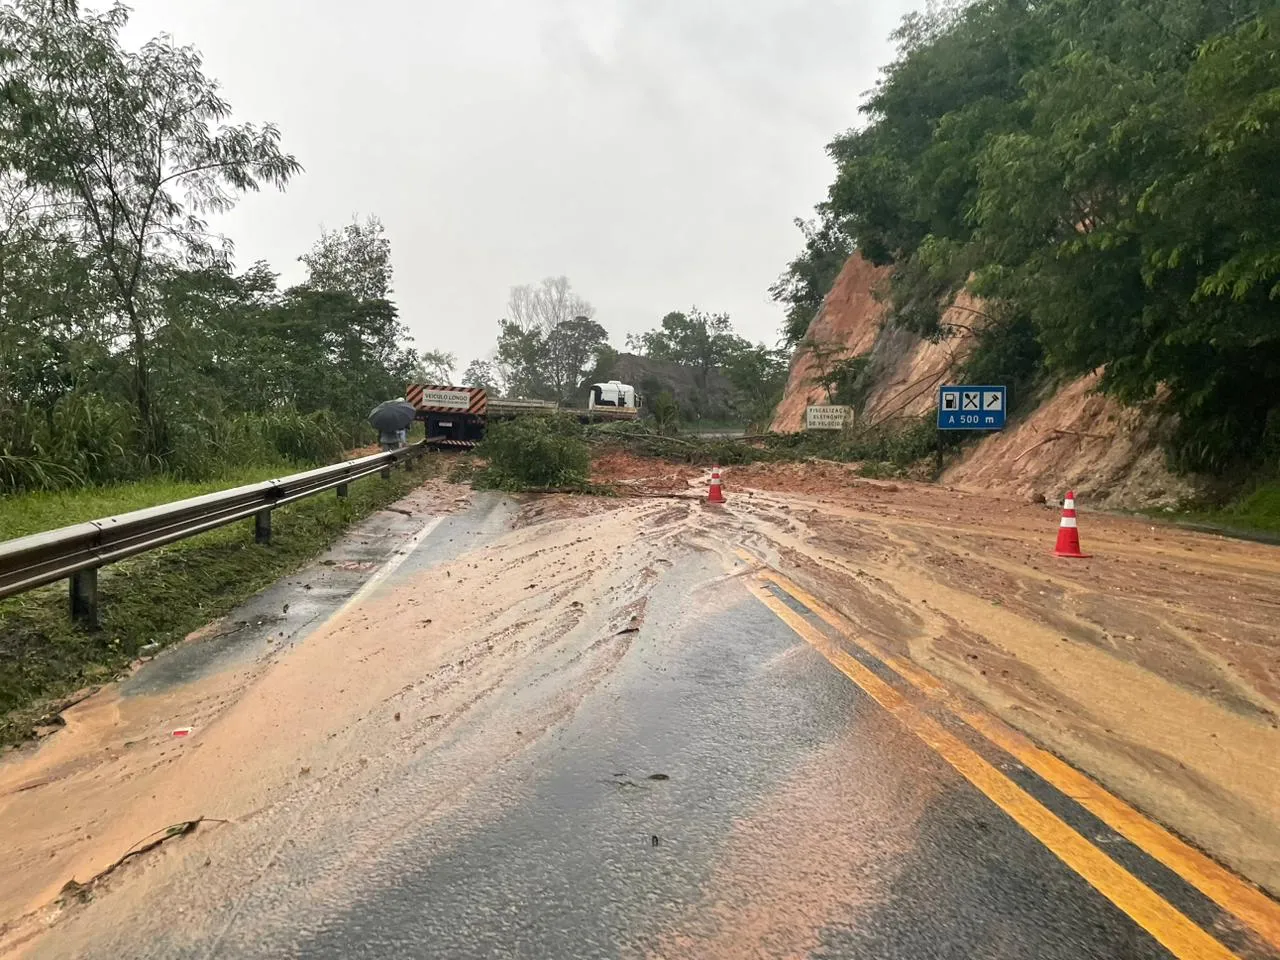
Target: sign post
970, 407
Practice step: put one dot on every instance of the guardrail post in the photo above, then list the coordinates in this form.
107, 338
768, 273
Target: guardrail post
342, 490
385, 473
84, 597
262, 526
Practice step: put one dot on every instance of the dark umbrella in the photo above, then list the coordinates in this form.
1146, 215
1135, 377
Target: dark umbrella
392, 415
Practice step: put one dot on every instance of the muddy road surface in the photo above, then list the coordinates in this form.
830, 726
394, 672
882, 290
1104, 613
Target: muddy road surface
880, 721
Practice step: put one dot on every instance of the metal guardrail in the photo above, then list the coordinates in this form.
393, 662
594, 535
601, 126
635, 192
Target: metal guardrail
76, 552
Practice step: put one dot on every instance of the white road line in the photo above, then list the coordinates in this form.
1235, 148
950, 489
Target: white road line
388, 568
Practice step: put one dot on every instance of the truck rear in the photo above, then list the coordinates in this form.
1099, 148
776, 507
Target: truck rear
457, 417
454, 416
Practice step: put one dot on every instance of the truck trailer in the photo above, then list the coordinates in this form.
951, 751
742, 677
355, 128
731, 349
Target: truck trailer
456, 417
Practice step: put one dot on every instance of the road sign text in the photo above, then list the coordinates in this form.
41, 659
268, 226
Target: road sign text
971, 407
827, 417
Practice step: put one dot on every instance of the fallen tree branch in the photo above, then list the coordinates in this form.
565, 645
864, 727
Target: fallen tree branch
1078, 433
1038, 443
147, 843
1058, 434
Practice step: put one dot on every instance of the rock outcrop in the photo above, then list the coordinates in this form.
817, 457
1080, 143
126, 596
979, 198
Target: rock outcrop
1074, 438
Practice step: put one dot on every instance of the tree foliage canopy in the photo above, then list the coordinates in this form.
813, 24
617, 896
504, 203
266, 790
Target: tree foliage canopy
129, 343
547, 342
697, 339
355, 259
1103, 174
706, 342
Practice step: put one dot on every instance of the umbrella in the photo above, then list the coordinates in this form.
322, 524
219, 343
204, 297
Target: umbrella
392, 415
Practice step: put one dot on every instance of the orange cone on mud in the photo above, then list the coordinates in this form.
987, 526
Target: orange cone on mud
714, 493
1068, 532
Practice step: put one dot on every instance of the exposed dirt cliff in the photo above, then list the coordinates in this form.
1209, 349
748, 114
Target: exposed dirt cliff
1075, 438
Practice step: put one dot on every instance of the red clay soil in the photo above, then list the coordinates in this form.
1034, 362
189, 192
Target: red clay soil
1074, 439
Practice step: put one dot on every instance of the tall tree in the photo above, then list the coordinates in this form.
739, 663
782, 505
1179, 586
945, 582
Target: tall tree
434, 366
804, 284
759, 374
133, 151
571, 347
480, 373
547, 340
520, 361
543, 305
696, 339
355, 259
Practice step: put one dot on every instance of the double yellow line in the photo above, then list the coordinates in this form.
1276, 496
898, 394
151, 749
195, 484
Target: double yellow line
1172, 929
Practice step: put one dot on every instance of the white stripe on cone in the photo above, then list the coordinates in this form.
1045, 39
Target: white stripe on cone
1068, 522
1068, 504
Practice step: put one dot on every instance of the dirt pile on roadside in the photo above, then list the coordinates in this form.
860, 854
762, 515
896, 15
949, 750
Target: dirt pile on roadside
632, 473
814, 477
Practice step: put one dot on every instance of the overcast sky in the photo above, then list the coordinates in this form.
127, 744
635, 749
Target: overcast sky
653, 151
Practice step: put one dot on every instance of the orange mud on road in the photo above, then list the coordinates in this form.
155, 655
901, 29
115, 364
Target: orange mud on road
1154, 667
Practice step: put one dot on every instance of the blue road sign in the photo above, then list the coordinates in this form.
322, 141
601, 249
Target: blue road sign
971, 408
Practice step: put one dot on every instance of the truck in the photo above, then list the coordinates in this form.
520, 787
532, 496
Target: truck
456, 417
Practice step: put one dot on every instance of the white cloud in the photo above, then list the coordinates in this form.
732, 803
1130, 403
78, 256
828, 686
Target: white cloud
654, 151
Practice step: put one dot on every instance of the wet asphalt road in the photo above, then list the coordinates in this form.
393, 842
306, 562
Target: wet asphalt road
722, 791
593, 857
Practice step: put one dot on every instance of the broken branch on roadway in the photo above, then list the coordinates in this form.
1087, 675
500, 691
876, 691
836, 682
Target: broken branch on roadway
146, 844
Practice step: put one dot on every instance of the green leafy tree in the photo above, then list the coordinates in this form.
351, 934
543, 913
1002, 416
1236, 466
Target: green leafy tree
480, 373
1101, 174
132, 149
571, 346
759, 375
547, 341
808, 278
128, 342
666, 413
696, 339
355, 259
434, 366
521, 361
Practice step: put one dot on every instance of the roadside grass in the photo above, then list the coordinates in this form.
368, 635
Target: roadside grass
1259, 510
157, 597
26, 513
1254, 512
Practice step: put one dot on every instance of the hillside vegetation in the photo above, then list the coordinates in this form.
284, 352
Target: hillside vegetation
1101, 175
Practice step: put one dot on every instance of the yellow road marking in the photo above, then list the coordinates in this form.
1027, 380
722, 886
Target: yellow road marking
1167, 925
1248, 904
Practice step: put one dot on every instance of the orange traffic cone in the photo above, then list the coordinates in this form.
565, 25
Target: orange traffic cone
714, 493
1068, 532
